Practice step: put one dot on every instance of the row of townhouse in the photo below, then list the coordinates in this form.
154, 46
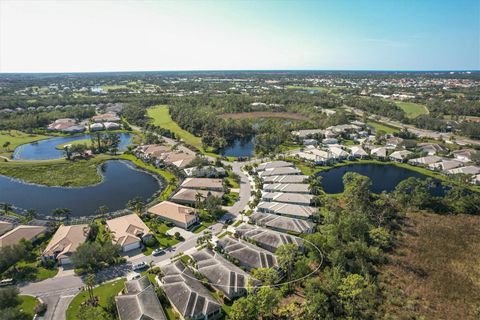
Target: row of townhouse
193, 190
251, 247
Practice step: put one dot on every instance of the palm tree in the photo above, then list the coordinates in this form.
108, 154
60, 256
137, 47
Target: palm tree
89, 284
68, 153
198, 200
102, 210
31, 213
6, 207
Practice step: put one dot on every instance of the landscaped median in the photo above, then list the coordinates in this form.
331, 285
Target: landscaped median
105, 293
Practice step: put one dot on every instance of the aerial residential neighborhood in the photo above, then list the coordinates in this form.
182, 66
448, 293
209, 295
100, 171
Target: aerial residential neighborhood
239, 160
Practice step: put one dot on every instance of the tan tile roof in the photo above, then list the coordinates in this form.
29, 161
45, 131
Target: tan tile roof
190, 195
14, 236
66, 240
173, 211
128, 229
203, 183
156, 150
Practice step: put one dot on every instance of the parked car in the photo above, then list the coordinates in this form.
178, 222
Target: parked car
139, 266
158, 252
7, 282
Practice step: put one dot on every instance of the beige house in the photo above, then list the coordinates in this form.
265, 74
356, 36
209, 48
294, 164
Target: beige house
203, 183
21, 232
65, 242
181, 216
129, 231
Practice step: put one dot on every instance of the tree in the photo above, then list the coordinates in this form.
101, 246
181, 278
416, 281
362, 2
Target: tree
62, 212
267, 300
136, 204
198, 200
357, 191
114, 142
6, 145
243, 309
31, 214
413, 193
67, 151
267, 276
93, 256
103, 209
357, 297
9, 297
286, 257
89, 284
6, 207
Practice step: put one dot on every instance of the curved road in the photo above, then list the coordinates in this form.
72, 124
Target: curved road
59, 291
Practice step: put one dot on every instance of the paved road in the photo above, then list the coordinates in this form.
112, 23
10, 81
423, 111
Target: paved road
59, 291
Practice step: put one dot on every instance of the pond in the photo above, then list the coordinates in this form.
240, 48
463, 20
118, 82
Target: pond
47, 149
383, 177
121, 182
239, 148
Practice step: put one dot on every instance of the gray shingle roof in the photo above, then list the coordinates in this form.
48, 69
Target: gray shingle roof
287, 209
265, 238
281, 223
188, 295
286, 179
140, 302
248, 255
221, 273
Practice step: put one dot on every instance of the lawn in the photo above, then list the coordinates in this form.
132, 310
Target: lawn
412, 110
203, 225
87, 142
56, 172
159, 230
232, 197
28, 304
31, 272
161, 117
16, 138
433, 272
103, 292
382, 127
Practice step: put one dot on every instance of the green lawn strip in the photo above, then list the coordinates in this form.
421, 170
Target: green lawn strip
161, 117
159, 230
32, 272
16, 138
203, 226
103, 292
382, 127
412, 110
87, 142
231, 182
28, 304
232, 197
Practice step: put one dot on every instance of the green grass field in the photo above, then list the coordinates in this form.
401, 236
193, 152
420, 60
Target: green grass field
161, 117
381, 127
61, 146
28, 305
103, 292
16, 138
412, 110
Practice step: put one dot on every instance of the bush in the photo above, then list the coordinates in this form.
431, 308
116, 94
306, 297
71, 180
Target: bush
40, 308
151, 242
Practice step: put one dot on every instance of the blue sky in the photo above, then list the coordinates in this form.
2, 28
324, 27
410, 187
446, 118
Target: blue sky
56, 36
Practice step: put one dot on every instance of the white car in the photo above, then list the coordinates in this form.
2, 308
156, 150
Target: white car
133, 276
139, 266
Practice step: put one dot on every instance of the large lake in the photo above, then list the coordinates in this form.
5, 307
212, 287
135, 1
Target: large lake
46, 149
121, 182
239, 148
383, 177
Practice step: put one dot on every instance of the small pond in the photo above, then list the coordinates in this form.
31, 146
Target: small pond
383, 177
121, 182
46, 149
239, 148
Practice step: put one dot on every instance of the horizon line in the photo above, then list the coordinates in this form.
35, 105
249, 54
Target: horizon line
244, 70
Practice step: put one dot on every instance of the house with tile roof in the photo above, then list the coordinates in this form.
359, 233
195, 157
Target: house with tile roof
65, 242
128, 231
14, 236
182, 216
